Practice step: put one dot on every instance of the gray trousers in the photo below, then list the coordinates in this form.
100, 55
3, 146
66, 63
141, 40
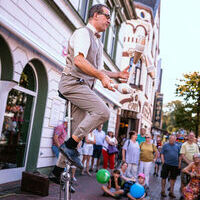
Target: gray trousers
88, 109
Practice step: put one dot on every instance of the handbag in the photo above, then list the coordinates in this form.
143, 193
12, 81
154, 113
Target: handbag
112, 149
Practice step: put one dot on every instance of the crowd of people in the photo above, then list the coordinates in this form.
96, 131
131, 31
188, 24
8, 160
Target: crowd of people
138, 154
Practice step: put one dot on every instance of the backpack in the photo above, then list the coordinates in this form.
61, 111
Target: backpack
127, 186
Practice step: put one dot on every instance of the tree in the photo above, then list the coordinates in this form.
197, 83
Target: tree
189, 89
176, 117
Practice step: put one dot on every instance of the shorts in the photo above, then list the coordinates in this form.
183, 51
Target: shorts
158, 163
87, 150
173, 171
97, 151
112, 190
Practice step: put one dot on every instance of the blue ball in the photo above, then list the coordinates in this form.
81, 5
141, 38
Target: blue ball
137, 190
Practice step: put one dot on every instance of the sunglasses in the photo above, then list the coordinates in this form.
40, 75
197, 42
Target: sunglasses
106, 15
147, 137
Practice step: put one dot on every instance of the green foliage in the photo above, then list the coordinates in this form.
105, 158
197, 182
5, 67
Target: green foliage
185, 115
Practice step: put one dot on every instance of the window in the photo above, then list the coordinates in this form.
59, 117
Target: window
81, 6
137, 77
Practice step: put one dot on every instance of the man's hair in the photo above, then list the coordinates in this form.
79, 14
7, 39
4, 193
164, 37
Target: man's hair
132, 133
96, 9
116, 171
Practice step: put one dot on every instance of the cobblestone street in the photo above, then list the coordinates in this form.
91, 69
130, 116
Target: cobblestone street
87, 189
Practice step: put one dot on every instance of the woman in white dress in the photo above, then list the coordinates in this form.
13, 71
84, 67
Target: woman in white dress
88, 151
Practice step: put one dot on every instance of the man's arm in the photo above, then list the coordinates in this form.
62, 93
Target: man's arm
123, 155
85, 66
55, 139
162, 159
122, 74
185, 159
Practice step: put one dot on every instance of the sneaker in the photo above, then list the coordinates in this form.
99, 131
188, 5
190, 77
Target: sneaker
74, 179
88, 173
163, 194
72, 155
171, 194
91, 170
71, 189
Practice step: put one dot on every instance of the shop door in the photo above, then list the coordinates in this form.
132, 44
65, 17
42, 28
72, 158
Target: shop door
16, 130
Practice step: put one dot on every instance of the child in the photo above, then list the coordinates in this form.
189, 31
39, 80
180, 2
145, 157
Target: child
158, 162
114, 185
141, 181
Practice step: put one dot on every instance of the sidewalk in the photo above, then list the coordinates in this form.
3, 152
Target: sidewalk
88, 189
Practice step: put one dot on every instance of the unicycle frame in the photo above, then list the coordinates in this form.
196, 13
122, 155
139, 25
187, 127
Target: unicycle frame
66, 176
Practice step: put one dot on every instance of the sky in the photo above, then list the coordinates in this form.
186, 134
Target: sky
179, 42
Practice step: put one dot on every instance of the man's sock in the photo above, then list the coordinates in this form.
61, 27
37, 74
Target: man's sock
57, 171
71, 143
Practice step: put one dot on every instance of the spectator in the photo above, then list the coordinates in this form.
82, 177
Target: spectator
109, 140
97, 148
188, 149
171, 164
158, 162
87, 151
123, 173
131, 154
59, 136
113, 188
141, 181
192, 190
158, 141
148, 155
141, 136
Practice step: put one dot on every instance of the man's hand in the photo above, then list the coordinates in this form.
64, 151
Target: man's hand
123, 75
106, 82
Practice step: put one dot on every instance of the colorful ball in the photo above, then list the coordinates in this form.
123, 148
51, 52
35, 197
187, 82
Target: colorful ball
137, 190
103, 176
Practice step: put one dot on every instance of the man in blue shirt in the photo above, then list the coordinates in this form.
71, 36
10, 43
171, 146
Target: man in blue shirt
141, 136
171, 164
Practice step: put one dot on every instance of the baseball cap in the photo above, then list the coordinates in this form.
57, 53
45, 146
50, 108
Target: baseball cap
141, 175
65, 119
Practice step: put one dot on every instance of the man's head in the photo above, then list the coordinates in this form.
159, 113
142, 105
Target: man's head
116, 173
142, 131
99, 17
172, 139
65, 121
191, 137
99, 128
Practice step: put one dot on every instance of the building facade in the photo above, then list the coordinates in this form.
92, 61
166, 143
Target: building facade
33, 42
141, 42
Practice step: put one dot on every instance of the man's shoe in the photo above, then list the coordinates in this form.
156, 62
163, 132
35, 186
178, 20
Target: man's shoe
54, 178
72, 155
172, 195
163, 194
71, 189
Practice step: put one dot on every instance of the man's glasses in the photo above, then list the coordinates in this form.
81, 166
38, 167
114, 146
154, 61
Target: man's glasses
106, 15
147, 137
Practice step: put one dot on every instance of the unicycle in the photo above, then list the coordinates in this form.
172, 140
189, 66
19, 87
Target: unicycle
66, 182
65, 179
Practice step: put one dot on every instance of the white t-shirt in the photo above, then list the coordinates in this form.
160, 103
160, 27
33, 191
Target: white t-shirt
80, 42
132, 151
99, 136
105, 144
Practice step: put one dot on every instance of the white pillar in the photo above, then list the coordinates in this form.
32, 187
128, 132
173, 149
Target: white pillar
5, 87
